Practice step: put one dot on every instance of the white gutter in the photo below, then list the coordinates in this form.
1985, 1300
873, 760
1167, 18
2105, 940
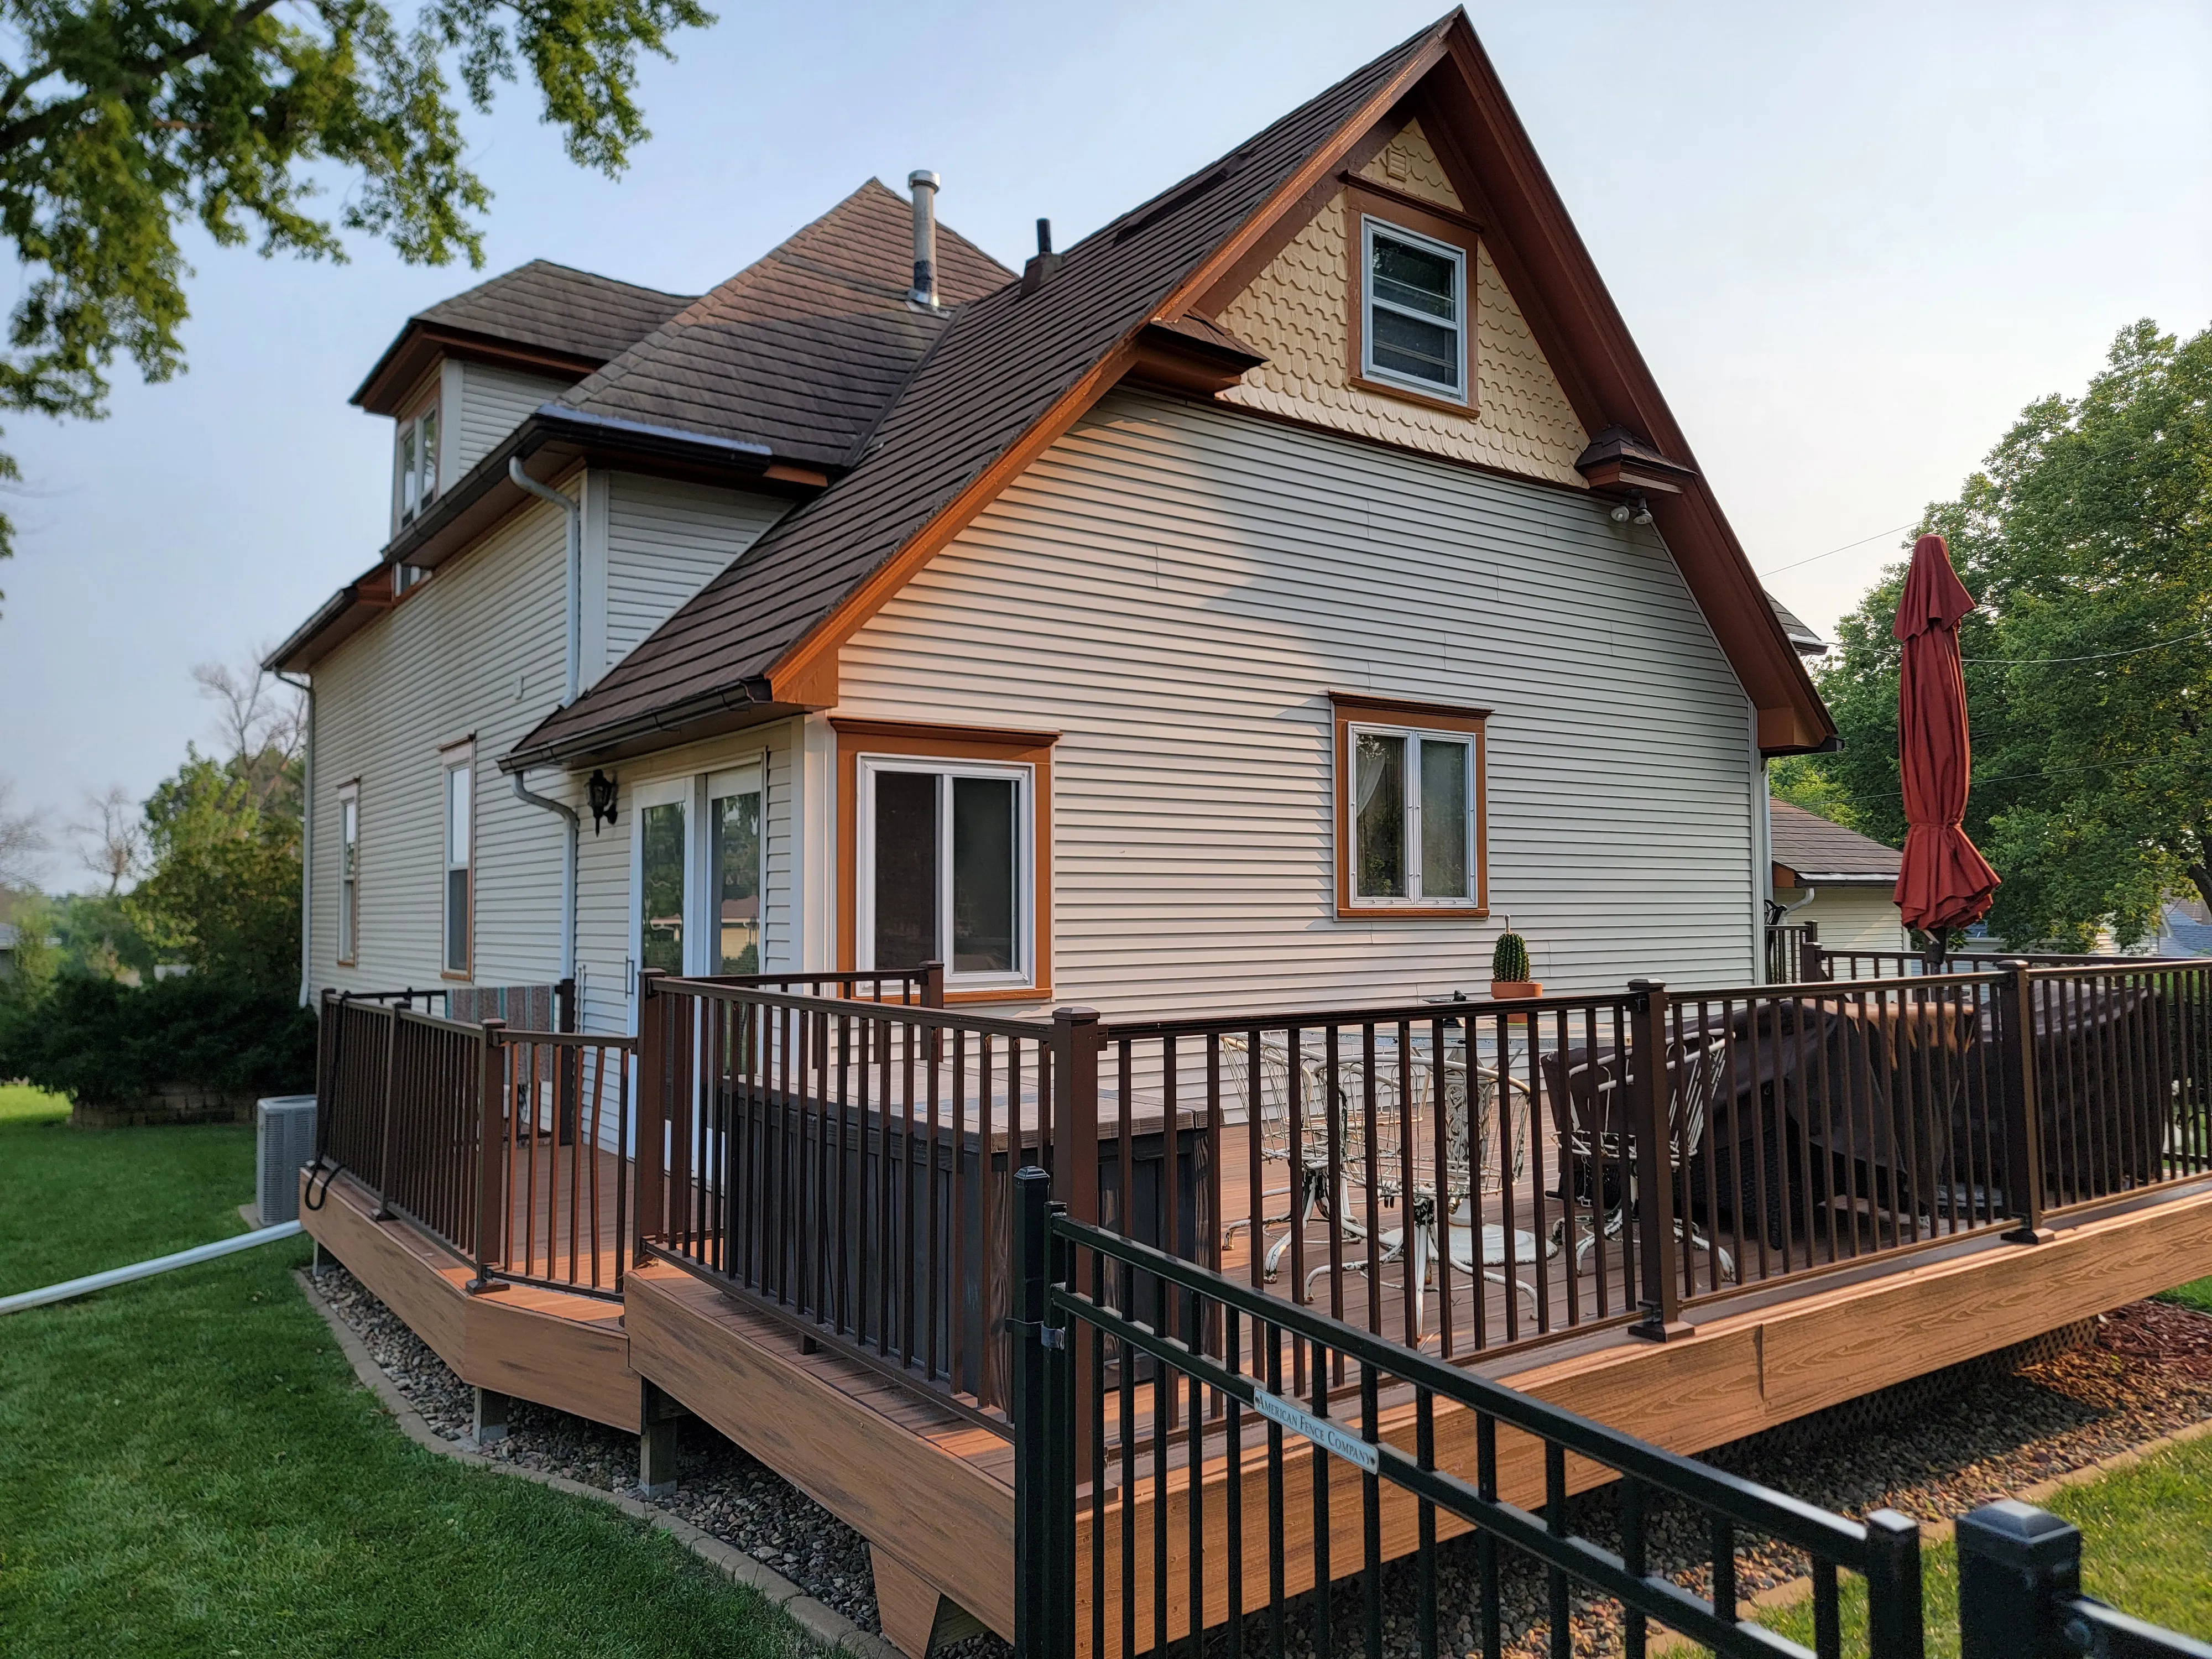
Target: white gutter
570, 505
523, 794
160, 1264
307, 844
573, 653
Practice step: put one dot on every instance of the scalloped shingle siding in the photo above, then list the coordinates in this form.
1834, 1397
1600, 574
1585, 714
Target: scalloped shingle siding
1295, 311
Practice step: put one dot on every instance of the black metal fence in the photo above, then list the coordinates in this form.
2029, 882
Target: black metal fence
1192, 1475
1169, 1482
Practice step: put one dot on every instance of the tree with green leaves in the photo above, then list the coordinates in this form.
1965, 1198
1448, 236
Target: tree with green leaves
223, 892
2088, 538
121, 119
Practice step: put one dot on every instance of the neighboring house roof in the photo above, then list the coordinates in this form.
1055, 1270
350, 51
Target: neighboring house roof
2182, 932
1808, 851
1016, 370
1807, 643
803, 349
569, 321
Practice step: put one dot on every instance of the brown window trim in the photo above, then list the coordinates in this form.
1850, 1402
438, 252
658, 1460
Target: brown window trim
1350, 708
1438, 224
350, 791
858, 737
462, 751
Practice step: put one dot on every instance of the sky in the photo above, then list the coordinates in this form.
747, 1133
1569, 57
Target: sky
1851, 242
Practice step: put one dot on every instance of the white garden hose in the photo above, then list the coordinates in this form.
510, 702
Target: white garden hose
160, 1264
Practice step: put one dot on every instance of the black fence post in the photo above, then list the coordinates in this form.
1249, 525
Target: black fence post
1650, 1108
1896, 1614
1044, 1555
2018, 1567
2023, 1116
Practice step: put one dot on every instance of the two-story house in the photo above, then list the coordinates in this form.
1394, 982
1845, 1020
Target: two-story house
1263, 598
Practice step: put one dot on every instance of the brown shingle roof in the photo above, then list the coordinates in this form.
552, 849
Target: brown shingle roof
1824, 853
1004, 363
557, 308
803, 349
541, 310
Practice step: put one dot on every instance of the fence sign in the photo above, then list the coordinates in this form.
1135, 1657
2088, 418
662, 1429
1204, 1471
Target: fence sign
1327, 1436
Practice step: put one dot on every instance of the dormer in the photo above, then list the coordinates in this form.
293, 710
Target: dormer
467, 372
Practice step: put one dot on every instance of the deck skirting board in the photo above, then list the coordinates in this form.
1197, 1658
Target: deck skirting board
553, 1349
920, 1495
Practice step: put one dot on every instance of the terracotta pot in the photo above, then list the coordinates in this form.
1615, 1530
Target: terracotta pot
1506, 990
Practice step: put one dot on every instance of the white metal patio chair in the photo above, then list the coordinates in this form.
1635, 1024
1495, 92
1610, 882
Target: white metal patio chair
1309, 1190
1449, 1225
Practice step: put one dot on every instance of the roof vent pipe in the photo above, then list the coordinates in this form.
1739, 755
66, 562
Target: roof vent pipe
924, 186
1035, 273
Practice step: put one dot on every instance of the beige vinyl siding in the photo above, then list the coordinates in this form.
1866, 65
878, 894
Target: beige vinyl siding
493, 402
1850, 918
666, 541
474, 650
605, 944
1176, 588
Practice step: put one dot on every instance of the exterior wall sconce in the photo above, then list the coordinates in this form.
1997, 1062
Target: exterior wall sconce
600, 792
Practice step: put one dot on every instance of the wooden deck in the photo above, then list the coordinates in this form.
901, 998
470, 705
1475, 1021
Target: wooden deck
550, 1346
933, 1492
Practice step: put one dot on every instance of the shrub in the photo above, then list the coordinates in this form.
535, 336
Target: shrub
103, 1043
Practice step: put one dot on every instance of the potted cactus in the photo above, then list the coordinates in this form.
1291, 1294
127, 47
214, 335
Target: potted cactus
1508, 967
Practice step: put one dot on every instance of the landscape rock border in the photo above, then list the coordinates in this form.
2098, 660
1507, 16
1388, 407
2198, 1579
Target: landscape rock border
820, 1621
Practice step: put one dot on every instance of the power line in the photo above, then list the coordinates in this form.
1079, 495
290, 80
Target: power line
1845, 548
2041, 772
2094, 656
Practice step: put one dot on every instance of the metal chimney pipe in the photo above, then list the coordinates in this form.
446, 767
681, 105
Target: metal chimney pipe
924, 185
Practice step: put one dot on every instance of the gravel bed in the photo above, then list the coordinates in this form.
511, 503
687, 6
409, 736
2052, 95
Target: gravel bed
1932, 1448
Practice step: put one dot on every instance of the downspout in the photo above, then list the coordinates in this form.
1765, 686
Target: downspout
570, 505
573, 653
307, 844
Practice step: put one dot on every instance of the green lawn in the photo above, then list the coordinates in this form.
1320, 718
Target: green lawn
2196, 1294
2146, 1536
188, 1466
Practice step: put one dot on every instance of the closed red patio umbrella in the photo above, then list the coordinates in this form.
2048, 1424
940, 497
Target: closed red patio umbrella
1945, 881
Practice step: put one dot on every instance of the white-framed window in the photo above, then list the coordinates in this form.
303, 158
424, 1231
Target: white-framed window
734, 871
944, 868
349, 872
1414, 325
460, 858
661, 813
1410, 816
415, 466
697, 847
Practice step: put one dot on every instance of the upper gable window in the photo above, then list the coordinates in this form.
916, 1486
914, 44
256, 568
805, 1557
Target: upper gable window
1413, 328
417, 463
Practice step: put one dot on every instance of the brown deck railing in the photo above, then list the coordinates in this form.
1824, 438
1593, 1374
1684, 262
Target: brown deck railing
1814, 961
1786, 947
2121, 1078
843, 1165
537, 1189
1460, 1177
557, 1176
